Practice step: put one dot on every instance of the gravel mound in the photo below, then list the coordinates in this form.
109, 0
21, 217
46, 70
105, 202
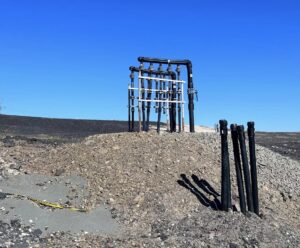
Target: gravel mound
142, 178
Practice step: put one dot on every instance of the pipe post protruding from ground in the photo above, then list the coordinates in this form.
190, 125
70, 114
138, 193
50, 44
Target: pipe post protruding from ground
225, 169
253, 168
238, 169
241, 135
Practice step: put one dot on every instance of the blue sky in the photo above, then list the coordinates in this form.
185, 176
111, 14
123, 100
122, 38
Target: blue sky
70, 59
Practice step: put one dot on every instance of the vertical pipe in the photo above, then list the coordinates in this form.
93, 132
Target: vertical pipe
174, 105
182, 105
157, 82
225, 170
164, 97
143, 98
170, 97
160, 96
159, 107
149, 96
252, 153
129, 109
167, 107
139, 103
191, 96
132, 100
179, 98
241, 136
238, 169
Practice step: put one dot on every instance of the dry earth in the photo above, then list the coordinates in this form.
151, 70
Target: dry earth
139, 176
162, 189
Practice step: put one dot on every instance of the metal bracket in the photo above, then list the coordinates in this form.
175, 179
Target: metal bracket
194, 92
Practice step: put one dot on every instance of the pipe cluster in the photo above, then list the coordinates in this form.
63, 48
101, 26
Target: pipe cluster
167, 97
246, 177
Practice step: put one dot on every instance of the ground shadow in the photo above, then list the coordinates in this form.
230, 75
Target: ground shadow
201, 188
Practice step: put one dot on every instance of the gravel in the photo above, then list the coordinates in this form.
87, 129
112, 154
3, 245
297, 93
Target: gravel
136, 175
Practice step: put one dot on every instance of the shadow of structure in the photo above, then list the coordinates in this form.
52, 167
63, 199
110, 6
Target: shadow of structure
201, 188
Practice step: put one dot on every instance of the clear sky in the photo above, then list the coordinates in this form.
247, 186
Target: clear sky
70, 59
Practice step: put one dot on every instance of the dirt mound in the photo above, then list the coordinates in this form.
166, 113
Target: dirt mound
141, 177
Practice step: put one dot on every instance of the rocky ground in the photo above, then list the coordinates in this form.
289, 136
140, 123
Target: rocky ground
162, 189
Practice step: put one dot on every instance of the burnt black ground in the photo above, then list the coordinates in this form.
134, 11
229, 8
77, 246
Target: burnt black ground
55, 131
287, 143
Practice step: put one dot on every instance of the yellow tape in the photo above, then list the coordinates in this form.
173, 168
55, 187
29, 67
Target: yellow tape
50, 204
55, 205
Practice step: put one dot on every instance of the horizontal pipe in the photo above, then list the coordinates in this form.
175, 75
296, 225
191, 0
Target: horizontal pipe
165, 61
164, 73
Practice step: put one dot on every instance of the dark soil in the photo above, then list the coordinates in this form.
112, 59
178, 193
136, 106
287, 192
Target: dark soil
56, 131
287, 144
64, 129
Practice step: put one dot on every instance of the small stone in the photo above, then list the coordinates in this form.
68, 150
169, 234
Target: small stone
2, 196
116, 147
37, 232
211, 235
284, 197
15, 223
15, 166
59, 172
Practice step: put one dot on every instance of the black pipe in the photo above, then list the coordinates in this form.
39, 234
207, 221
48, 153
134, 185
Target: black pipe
129, 111
143, 97
241, 136
171, 74
131, 104
238, 169
191, 90
225, 170
164, 97
159, 98
252, 154
172, 106
149, 93
157, 82
165, 73
179, 98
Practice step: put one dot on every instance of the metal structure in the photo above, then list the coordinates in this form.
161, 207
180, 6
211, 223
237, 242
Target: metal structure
164, 91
